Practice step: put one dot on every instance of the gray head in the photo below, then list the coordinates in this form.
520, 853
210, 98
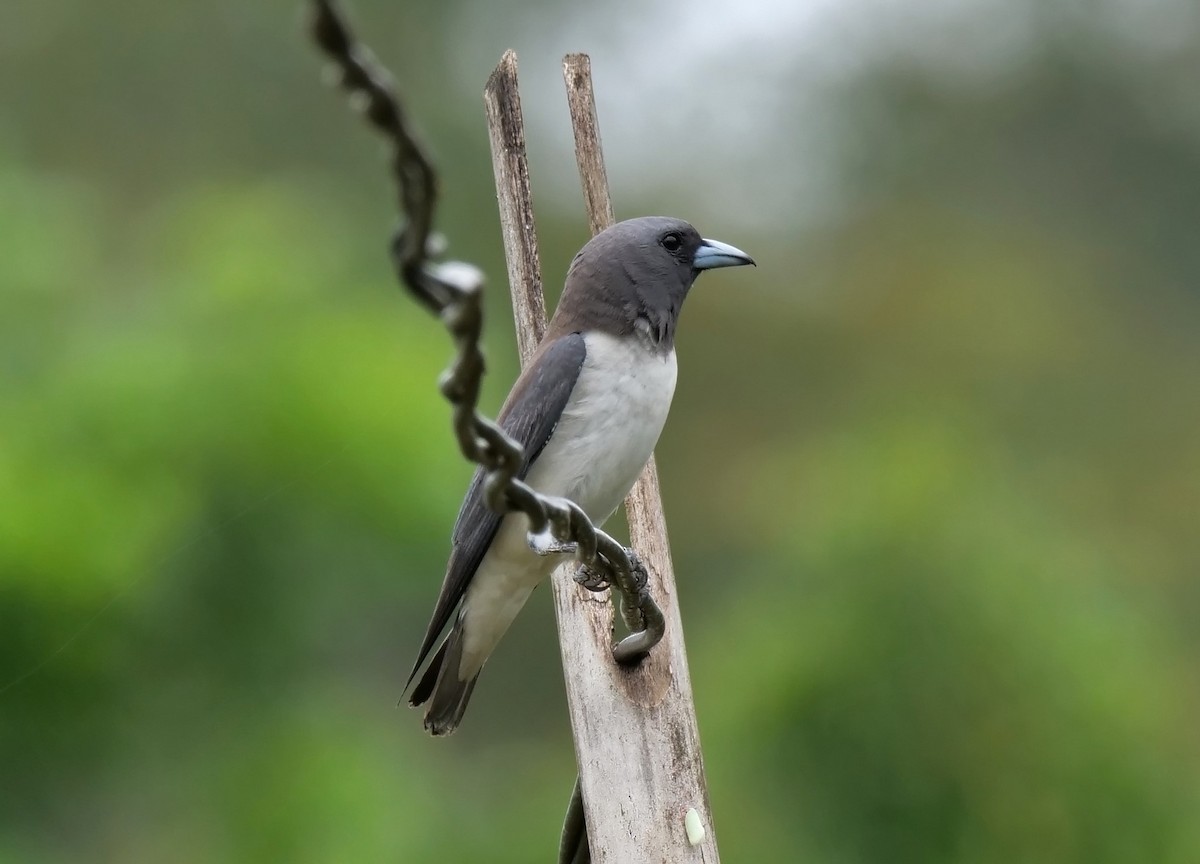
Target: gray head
634, 276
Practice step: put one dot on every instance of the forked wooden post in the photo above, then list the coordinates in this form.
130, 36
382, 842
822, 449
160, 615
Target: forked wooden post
636, 738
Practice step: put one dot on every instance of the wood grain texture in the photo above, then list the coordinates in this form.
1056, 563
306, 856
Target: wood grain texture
636, 737
506, 130
589, 155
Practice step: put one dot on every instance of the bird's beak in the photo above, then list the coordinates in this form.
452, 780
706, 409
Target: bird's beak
714, 253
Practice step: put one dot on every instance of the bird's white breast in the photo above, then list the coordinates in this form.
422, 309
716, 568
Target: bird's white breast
607, 432
610, 425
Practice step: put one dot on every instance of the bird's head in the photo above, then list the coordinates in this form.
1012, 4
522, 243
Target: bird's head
634, 276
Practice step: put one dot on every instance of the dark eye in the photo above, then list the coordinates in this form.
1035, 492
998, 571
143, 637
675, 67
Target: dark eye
672, 242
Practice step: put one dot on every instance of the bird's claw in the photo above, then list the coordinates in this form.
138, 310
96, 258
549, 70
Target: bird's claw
593, 580
641, 576
588, 578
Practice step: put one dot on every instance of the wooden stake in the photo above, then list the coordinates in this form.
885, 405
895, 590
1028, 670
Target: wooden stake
636, 738
506, 129
589, 155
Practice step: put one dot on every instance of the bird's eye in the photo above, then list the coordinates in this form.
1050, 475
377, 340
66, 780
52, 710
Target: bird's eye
672, 242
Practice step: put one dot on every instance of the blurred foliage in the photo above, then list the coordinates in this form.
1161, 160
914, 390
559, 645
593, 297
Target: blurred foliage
933, 475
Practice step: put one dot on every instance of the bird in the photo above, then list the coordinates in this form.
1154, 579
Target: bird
588, 411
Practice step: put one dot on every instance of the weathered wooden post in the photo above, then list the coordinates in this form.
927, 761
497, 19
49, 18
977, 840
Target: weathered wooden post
636, 739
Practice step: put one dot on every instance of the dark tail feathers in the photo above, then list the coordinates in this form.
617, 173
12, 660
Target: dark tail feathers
441, 688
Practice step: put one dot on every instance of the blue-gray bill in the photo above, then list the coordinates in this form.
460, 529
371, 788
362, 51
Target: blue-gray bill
714, 253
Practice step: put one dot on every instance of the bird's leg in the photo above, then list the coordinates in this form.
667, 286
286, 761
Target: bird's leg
545, 543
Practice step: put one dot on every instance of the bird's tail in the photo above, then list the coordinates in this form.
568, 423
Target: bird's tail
441, 687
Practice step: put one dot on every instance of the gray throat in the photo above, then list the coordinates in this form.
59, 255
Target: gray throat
645, 311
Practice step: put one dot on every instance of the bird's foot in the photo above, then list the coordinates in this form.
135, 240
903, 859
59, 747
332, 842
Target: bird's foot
593, 580
641, 576
588, 578
545, 543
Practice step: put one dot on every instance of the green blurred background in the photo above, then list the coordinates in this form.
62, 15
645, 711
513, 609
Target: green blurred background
932, 474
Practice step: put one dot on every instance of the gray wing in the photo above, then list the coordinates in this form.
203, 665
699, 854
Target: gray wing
529, 416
